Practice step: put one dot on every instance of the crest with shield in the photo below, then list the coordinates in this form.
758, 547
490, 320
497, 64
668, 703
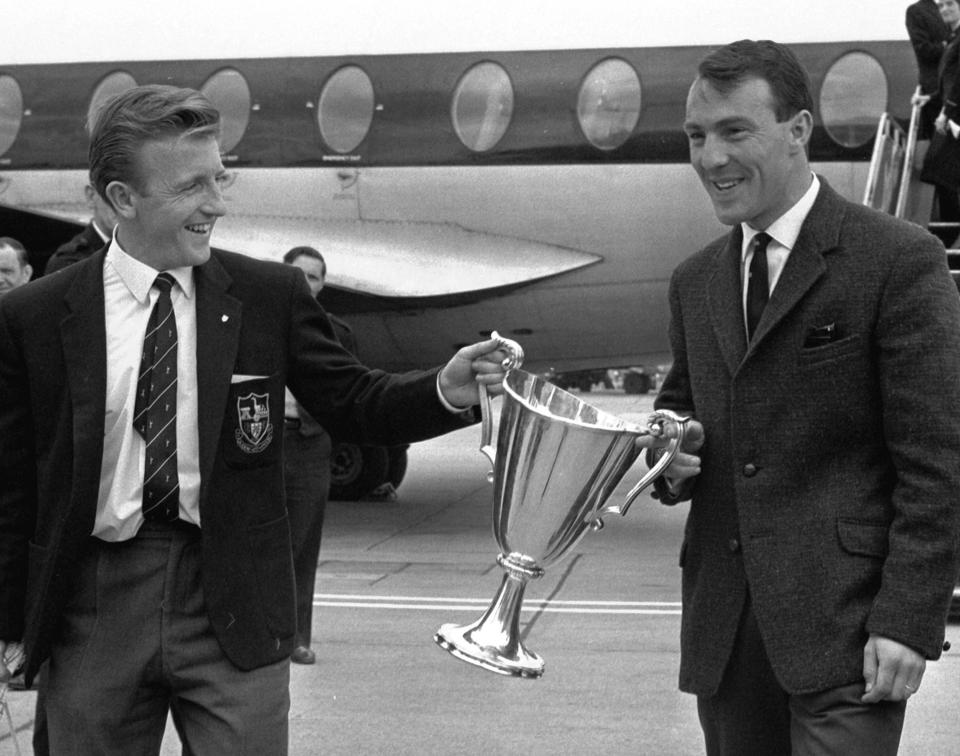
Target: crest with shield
253, 415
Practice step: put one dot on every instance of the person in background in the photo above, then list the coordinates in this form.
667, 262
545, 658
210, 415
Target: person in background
15, 269
144, 537
928, 35
821, 544
947, 151
94, 236
307, 448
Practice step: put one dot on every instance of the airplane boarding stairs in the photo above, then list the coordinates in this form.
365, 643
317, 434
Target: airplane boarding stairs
894, 186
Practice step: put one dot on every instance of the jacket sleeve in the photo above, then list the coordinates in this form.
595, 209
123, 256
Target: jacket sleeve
351, 401
950, 77
17, 483
675, 394
926, 45
918, 362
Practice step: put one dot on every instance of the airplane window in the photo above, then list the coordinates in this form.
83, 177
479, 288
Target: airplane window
228, 90
608, 106
110, 85
11, 112
852, 99
346, 109
482, 106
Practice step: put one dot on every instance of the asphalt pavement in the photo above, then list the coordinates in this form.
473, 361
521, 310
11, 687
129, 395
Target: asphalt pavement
606, 620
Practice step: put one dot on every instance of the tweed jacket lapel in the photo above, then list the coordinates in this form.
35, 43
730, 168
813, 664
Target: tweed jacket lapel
218, 338
819, 236
724, 298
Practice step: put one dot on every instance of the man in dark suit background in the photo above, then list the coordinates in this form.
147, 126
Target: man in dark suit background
15, 270
928, 35
307, 469
95, 235
817, 346
144, 539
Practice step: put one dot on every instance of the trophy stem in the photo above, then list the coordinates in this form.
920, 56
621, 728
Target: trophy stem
493, 641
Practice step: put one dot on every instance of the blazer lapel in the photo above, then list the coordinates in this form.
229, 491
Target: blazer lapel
83, 337
724, 298
218, 338
819, 236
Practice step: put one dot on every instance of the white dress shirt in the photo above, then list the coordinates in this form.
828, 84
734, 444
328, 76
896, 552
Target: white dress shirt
783, 234
129, 300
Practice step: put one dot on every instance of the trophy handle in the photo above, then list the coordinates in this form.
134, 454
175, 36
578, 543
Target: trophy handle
514, 359
658, 419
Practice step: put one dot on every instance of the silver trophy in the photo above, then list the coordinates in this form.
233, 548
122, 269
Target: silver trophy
556, 462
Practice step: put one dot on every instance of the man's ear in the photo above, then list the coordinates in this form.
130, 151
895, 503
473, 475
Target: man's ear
801, 128
123, 198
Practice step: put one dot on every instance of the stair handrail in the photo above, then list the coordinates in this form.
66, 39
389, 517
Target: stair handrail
890, 140
917, 102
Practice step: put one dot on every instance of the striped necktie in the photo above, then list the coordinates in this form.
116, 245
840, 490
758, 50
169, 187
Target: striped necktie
758, 287
155, 409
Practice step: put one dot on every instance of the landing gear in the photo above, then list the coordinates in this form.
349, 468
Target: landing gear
356, 471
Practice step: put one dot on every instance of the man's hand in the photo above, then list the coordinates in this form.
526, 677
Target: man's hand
686, 463
891, 671
940, 124
478, 363
11, 659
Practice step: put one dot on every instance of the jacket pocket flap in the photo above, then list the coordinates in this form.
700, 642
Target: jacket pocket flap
863, 537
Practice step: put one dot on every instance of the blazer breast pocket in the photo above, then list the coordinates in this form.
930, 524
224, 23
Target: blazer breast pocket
253, 422
834, 350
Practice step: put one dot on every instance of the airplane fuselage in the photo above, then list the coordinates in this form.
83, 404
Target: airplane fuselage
543, 194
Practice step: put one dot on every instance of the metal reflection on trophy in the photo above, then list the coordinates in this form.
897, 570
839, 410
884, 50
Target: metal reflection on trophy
556, 463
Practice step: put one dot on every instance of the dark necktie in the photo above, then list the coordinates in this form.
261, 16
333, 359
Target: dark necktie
758, 288
155, 409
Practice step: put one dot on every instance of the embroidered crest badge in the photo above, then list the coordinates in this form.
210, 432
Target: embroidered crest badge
256, 431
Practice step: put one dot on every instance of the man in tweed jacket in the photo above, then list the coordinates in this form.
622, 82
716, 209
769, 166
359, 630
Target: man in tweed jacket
823, 465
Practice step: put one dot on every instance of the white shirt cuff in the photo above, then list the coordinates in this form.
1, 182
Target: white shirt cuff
443, 400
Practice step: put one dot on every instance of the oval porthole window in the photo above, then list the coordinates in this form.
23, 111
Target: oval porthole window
110, 85
11, 112
346, 108
852, 99
608, 106
482, 106
229, 92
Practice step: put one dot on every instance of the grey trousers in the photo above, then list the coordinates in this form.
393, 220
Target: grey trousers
751, 715
135, 643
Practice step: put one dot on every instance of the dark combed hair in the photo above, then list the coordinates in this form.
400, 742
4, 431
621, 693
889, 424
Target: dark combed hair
727, 68
143, 114
296, 252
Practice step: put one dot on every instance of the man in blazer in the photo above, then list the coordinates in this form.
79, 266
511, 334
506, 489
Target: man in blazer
186, 605
823, 465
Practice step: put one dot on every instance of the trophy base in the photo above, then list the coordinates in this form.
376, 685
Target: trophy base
509, 659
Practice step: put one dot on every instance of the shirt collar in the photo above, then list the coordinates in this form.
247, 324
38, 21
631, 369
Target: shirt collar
106, 236
138, 277
785, 229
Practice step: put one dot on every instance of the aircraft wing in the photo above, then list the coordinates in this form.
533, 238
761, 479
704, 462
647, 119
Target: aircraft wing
402, 258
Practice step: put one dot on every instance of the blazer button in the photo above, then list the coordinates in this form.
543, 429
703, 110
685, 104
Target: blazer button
749, 470
734, 545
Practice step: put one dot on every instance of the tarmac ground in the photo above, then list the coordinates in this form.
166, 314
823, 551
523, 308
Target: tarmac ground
606, 620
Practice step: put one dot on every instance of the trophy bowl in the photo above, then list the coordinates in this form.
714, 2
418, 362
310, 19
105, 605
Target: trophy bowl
556, 462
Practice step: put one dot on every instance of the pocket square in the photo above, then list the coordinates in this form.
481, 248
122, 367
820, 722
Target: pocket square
240, 378
821, 335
